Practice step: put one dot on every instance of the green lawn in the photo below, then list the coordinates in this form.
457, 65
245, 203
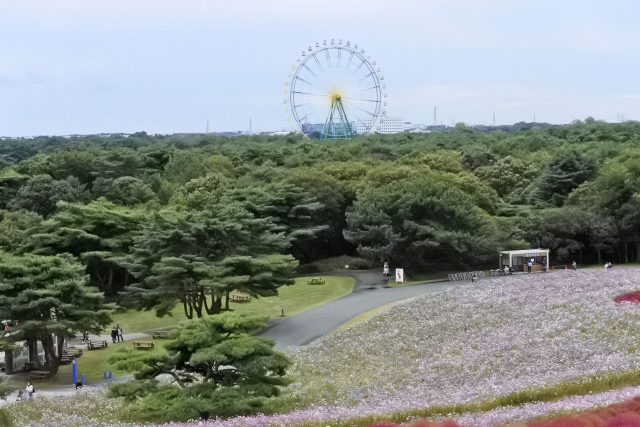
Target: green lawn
295, 298
93, 363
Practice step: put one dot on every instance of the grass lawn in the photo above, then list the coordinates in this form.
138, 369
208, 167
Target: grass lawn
295, 298
92, 364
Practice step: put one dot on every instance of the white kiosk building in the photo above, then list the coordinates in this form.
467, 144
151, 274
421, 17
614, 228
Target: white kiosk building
518, 259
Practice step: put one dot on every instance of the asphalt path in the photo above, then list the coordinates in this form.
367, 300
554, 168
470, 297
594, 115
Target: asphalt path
370, 291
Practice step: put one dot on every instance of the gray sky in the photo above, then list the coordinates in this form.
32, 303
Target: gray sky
168, 66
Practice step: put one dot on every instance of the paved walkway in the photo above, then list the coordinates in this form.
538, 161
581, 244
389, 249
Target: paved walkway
371, 291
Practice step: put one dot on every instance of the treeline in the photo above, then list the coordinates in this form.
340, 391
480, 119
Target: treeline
164, 212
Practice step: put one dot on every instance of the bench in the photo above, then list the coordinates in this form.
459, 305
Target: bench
143, 344
28, 366
94, 345
73, 352
40, 375
240, 297
161, 334
316, 281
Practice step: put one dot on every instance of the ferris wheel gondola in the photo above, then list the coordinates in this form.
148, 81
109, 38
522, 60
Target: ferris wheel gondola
334, 92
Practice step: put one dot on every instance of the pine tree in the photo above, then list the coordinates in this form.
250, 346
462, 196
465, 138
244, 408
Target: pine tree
216, 366
50, 299
98, 233
197, 259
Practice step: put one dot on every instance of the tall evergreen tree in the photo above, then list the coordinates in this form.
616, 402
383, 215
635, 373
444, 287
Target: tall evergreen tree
198, 258
50, 299
216, 367
99, 233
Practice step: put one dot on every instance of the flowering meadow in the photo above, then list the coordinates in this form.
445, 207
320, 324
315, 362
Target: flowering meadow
624, 414
502, 350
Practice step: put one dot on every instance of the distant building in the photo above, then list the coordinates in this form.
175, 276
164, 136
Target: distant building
389, 125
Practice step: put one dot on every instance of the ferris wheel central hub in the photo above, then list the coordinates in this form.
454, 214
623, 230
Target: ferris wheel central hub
334, 92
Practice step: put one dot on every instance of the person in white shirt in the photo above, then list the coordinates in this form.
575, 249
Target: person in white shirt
30, 390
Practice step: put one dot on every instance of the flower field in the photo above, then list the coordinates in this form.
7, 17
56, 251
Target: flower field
505, 336
504, 350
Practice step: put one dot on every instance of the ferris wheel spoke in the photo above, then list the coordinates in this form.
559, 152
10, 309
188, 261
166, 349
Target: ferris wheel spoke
356, 70
318, 62
328, 58
360, 99
312, 94
309, 83
309, 70
318, 78
349, 62
365, 76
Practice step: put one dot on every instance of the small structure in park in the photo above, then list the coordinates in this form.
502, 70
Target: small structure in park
518, 259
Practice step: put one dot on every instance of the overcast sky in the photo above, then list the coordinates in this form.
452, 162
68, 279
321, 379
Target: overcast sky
78, 67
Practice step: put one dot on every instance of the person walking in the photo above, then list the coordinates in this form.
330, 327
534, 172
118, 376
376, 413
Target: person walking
85, 337
575, 266
114, 334
119, 331
30, 390
528, 266
474, 277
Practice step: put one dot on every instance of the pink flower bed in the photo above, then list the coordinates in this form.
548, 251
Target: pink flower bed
630, 297
624, 414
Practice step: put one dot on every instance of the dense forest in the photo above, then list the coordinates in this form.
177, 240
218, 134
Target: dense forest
172, 213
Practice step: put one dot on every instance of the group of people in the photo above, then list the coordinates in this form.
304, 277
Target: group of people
608, 266
116, 334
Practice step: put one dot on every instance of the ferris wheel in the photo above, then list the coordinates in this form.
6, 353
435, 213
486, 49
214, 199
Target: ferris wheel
334, 91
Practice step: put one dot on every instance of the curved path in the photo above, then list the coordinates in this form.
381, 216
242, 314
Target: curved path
370, 291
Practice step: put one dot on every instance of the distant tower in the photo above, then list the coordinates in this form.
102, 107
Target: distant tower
435, 120
207, 126
622, 117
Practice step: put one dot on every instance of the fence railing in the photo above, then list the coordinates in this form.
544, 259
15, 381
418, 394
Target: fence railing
465, 276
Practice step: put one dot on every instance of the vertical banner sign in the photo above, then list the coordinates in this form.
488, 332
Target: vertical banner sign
399, 275
74, 373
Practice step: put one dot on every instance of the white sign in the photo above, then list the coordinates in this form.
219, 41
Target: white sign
399, 275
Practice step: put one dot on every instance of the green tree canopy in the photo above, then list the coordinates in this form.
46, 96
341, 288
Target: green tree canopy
214, 366
191, 257
564, 173
50, 299
125, 191
99, 233
424, 220
42, 193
